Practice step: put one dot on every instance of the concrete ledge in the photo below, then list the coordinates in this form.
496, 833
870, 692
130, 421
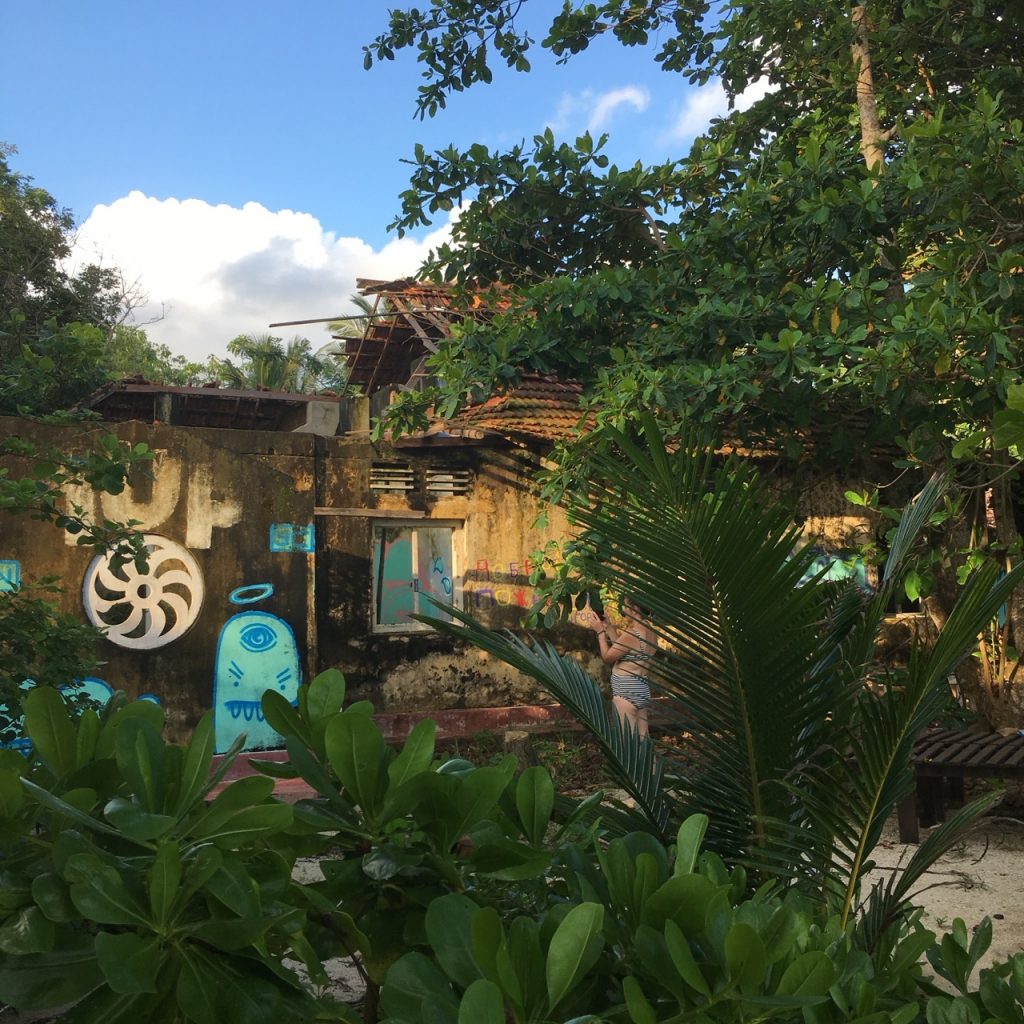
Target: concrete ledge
452, 723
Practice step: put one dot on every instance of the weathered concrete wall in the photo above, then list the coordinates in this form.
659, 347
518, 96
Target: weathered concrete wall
216, 494
269, 565
493, 536
274, 534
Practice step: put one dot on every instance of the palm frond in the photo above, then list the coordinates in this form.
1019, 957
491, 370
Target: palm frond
632, 760
889, 898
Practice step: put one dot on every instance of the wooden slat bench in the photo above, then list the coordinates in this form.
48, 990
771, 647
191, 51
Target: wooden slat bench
944, 758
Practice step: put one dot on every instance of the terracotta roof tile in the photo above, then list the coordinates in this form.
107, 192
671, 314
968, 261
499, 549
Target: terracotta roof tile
541, 408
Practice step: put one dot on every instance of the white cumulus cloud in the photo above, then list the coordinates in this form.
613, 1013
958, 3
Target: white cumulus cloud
710, 101
221, 271
595, 110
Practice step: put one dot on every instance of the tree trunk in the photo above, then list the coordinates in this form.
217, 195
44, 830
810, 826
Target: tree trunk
991, 680
872, 139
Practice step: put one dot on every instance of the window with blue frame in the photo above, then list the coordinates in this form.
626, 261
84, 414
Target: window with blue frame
412, 564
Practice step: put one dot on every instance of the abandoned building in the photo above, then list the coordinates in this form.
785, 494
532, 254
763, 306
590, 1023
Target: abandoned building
283, 541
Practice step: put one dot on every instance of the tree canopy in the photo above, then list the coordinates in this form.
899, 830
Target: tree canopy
838, 263
832, 272
63, 334
268, 363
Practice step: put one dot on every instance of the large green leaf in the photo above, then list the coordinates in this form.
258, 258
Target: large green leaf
87, 738
745, 958
482, 1003
282, 717
195, 769
130, 963
140, 757
135, 822
574, 949
688, 842
246, 825
49, 726
411, 980
239, 795
416, 754
27, 931
100, 895
810, 974
165, 875
535, 799
355, 749
683, 959
50, 892
324, 698
43, 980
12, 796
449, 926
486, 936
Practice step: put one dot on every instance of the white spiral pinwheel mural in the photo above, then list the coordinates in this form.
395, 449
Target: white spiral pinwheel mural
145, 610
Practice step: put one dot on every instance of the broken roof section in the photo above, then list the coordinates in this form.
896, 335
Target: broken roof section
408, 320
136, 398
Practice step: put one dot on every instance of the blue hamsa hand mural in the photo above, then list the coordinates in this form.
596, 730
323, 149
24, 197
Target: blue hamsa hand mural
256, 652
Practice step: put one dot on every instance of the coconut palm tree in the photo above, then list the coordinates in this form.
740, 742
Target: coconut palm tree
795, 759
355, 326
267, 363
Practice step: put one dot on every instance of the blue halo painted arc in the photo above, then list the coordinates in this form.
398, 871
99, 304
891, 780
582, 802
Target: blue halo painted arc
251, 593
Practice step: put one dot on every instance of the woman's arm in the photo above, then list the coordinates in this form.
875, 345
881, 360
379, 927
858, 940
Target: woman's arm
611, 643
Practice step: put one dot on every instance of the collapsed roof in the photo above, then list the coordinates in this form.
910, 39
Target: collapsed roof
407, 321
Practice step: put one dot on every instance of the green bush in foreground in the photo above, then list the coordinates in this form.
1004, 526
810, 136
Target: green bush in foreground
129, 892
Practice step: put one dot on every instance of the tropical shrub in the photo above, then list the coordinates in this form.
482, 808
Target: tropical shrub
1000, 992
395, 829
800, 761
135, 886
639, 932
130, 894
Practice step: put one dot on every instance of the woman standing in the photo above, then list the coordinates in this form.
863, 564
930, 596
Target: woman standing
629, 651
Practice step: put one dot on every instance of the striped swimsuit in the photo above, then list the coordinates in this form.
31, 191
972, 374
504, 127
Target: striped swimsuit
627, 684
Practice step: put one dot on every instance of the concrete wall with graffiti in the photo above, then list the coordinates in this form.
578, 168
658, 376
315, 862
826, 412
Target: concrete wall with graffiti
224, 608
275, 555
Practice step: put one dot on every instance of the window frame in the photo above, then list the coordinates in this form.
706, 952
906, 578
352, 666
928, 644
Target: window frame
377, 526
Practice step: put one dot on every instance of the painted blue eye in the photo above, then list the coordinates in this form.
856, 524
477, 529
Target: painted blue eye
258, 638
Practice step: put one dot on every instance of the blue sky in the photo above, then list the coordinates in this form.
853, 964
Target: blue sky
238, 162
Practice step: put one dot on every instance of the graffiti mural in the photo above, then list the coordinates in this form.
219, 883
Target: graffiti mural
145, 610
97, 690
256, 652
10, 575
292, 537
207, 503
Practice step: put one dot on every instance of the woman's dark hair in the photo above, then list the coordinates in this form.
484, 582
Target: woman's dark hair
638, 605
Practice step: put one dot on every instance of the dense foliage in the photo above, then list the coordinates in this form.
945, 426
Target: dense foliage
269, 364
833, 273
138, 885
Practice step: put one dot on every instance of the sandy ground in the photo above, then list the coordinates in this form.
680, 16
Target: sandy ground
983, 876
